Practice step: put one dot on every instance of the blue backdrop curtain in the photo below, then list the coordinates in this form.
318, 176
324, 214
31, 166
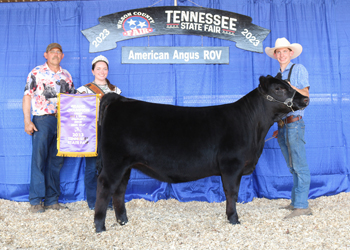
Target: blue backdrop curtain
322, 27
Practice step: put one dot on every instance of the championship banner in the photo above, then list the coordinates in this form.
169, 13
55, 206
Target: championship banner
77, 125
181, 20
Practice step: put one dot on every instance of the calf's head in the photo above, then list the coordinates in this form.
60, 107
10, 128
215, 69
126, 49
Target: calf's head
282, 96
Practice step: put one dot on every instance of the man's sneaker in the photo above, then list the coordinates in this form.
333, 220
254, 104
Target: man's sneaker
289, 207
56, 207
298, 212
37, 208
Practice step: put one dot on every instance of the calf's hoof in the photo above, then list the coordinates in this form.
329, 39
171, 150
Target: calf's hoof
99, 230
100, 227
122, 221
234, 220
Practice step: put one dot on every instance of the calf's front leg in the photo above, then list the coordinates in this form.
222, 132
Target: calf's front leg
231, 188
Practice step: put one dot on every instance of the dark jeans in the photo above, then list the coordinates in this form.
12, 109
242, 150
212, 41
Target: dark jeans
46, 166
90, 181
292, 143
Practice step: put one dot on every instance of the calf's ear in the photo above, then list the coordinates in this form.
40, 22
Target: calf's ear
264, 82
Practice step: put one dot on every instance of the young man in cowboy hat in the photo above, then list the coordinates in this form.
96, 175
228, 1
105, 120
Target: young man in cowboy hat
291, 129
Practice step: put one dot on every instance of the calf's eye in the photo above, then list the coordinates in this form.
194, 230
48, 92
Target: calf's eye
280, 91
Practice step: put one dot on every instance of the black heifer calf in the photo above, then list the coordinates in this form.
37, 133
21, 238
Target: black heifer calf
179, 144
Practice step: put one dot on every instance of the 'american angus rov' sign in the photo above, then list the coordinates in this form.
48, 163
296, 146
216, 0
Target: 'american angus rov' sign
179, 20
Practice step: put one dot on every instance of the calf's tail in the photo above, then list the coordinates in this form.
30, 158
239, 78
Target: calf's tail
105, 101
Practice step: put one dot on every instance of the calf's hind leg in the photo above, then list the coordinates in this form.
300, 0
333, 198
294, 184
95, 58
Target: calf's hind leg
119, 199
103, 197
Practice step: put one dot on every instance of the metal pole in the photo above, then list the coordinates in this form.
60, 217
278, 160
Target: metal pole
175, 2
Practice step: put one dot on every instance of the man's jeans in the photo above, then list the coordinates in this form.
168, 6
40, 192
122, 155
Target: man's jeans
292, 143
46, 166
90, 181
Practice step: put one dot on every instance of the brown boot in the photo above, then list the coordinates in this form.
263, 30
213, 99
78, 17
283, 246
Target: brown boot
37, 208
298, 212
56, 207
289, 207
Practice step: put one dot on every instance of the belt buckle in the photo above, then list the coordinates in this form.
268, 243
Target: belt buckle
280, 123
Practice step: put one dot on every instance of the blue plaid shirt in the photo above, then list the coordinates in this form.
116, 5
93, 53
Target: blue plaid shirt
299, 79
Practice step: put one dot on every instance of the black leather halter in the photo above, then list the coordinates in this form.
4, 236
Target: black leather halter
288, 102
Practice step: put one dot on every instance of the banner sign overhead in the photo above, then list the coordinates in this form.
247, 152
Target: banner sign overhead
175, 55
178, 20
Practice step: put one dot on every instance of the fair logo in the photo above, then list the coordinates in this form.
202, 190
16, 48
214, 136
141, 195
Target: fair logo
136, 26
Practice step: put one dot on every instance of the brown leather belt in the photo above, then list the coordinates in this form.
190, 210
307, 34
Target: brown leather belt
289, 119
52, 115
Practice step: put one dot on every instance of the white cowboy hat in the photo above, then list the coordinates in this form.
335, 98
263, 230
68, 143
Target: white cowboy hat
284, 43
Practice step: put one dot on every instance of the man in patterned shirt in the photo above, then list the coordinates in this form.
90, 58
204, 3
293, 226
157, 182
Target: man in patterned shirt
40, 96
